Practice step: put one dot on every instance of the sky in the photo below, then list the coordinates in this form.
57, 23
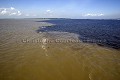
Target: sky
78, 9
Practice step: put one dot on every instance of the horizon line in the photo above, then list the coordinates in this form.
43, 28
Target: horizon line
62, 18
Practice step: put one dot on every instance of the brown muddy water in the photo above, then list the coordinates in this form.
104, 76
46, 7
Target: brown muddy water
27, 55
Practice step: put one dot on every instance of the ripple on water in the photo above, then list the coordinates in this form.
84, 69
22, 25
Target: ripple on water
52, 61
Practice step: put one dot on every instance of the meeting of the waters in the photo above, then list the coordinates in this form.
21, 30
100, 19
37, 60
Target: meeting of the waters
59, 49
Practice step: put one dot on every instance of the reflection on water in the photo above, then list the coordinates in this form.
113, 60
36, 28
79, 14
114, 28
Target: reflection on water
49, 60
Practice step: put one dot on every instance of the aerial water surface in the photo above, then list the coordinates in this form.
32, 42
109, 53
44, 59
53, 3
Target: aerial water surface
59, 49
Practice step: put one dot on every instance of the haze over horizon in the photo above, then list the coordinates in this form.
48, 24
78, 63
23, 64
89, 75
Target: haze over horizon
81, 9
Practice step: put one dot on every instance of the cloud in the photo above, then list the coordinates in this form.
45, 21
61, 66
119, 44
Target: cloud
12, 8
3, 11
13, 12
49, 13
19, 13
48, 10
93, 15
10, 11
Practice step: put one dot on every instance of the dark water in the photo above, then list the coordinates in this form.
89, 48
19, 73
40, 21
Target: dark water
102, 32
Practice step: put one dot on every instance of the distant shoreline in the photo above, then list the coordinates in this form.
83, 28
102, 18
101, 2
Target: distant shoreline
61, 18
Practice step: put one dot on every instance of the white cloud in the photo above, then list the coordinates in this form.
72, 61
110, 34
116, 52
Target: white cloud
10, 11
93, 15
12, 8
3, 11
13, 14
48, 10
49, 13
19, 13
